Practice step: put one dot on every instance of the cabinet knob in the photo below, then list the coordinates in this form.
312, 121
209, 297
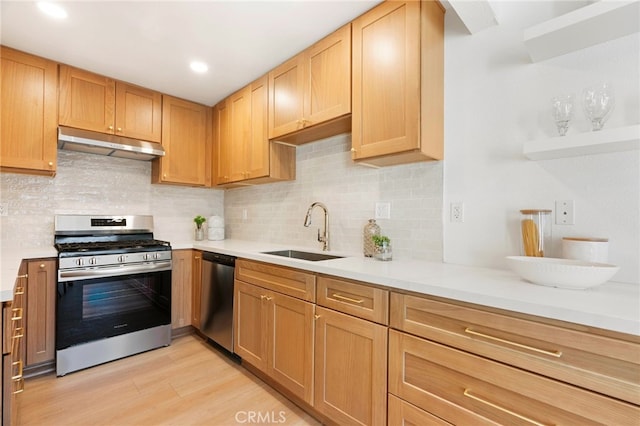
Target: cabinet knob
119, 129
50, 163
353, 150
316, 316
110, 127
42, 265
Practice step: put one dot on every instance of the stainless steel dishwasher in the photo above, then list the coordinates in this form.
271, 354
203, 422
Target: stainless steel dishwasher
216, 315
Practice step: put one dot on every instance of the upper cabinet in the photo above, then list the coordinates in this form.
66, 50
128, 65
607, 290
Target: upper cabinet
243, 153
186, 138
398, 84
93, 102
28, 113
310, 94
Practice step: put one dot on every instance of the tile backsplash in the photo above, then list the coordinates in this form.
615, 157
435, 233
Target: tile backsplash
325, 172
94, 184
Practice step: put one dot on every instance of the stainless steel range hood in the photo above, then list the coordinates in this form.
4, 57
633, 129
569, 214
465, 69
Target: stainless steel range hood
102, 144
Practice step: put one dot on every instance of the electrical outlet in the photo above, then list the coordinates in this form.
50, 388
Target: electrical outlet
565, 214
4, 209
383, 211
457, 211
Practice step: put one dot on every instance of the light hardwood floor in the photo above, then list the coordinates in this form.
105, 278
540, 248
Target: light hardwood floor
187, 383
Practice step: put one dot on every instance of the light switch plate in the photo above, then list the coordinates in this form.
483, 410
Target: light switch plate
383, 211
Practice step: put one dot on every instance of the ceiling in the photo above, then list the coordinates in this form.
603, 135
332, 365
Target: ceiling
150, 43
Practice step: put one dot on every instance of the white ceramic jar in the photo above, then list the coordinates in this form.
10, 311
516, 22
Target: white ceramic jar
587, 249
216, 228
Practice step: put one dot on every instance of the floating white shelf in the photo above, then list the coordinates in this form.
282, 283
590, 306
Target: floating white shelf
590, 25
606, 140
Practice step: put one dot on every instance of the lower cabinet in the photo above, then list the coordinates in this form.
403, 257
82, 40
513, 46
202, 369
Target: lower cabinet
13, 332
196, 291
403, 413
181, 288
350, 369
274, 333
41, 311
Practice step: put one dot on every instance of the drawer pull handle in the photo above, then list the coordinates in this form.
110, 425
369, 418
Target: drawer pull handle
20, 386
17, 314
556, 354
468, 394
18, 333
22, 276
18, 364
19, 290
346, 299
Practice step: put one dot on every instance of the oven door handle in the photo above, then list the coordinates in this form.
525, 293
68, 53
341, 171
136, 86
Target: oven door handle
110, 271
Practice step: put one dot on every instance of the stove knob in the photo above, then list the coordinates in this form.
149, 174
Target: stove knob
156, 255
145, 256
79, 262
121, 258
93, 261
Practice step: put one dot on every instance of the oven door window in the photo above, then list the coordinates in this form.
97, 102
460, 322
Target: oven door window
92, 309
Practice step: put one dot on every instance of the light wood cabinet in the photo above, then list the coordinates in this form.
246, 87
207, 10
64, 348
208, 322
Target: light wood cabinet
41, 311
186, 138
292, 282
350, 369
13, 318
274, 333
242, 148
463, 388
182, 278
93, 102
197, 289
398, 83
312, 89
28, 113
603, 363
403, 413
354, 298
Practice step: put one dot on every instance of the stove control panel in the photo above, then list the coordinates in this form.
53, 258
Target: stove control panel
94, 261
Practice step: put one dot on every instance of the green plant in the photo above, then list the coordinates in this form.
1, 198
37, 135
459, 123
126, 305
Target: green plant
199, 220
379, 240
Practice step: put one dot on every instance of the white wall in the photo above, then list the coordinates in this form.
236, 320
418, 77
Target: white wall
495, 100
326, 173
93, 184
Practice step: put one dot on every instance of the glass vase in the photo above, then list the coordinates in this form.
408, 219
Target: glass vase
370, 229
199, 234
384, 252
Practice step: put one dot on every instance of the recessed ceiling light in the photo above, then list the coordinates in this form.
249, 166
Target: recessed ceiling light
199, 67
52, 9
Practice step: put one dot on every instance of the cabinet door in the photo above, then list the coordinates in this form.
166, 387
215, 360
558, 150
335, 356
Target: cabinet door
250, 331
41, 306
28, 113
239, 134
257, 149
138, 112
386, 80
327, 93
197, 288
290, 344
181, 284
186, 140
403, 413
222, 150
350, 369
87, 100
286, 94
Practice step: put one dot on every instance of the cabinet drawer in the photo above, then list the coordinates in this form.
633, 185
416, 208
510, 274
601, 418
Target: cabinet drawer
284, 280
403, 413
425, 373
353, 298
604, 364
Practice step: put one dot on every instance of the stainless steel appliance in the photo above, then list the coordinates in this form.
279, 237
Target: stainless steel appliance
113, 289
216, 309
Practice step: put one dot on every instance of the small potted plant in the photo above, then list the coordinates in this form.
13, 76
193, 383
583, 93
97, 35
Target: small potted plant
199, 220
382, 247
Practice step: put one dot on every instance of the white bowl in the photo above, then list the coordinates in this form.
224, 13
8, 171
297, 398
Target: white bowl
563, 273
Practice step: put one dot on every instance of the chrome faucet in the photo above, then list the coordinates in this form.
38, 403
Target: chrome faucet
324, 238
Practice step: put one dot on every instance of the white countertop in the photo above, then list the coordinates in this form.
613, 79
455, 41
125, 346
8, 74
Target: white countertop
610, 306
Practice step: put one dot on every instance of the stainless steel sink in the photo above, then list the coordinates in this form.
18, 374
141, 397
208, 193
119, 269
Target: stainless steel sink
304, 255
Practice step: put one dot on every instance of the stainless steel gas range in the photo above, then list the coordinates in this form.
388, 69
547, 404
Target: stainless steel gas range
113, 289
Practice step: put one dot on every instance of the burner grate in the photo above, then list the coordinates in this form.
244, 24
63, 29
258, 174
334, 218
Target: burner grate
109, 245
